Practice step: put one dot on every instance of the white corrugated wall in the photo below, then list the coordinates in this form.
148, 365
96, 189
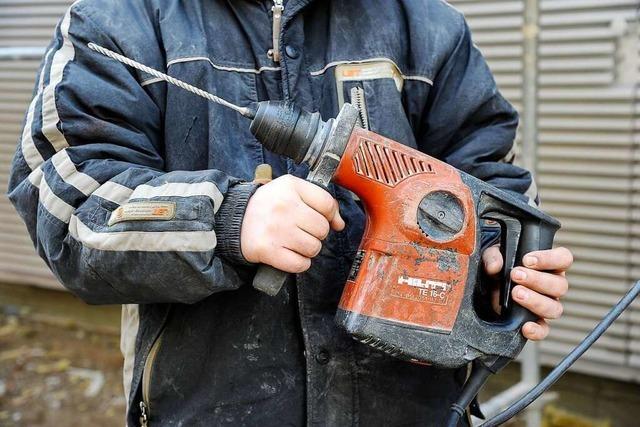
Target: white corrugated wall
589, 133
588, 136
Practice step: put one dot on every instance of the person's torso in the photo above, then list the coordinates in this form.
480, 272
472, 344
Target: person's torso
241, 357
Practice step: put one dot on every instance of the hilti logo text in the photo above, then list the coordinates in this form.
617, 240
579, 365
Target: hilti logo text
424, 284
423, 290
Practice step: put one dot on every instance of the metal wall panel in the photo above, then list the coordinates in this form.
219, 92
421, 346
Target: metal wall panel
588, 127
497, 29
26, 27
29, 22
588, 137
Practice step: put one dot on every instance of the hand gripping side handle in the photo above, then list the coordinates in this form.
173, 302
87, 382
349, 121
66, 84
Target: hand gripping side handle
536, 234
269, 279
320, 144
524, 229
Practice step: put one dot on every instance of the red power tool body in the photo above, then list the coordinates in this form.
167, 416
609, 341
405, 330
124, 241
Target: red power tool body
414, 287
414, 258
411, 289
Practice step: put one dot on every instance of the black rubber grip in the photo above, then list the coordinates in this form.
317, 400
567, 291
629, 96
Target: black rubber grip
269, 279
535, 236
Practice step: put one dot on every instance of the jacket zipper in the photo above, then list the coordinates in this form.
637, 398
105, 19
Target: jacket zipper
144, 419
145, 407
359, 101
277, 9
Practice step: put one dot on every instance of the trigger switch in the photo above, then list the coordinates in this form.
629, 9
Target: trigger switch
440, 216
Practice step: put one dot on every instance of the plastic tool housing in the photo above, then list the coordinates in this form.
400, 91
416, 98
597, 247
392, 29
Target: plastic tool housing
414, 290
414, 286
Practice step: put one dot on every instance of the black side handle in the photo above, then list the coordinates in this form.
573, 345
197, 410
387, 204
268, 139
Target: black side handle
524, 229
536, 235
269, 279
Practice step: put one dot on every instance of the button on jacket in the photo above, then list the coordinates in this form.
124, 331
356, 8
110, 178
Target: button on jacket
133, 192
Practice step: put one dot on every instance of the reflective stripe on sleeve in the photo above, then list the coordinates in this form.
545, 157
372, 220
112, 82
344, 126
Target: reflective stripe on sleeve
69, 174
29, 151
54, 204
144, 241
61, 58
113, 192
35, 177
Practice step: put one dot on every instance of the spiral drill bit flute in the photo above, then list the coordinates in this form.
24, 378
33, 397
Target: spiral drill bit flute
246, 112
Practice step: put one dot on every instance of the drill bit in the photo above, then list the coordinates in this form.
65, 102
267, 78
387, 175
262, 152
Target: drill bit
246, 112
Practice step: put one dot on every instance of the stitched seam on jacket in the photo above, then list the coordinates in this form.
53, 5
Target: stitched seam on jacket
222, 67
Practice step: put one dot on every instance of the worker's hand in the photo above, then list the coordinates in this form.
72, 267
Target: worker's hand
285, 223
541, 283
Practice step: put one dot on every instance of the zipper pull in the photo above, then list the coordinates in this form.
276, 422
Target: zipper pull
277, 9
144, 421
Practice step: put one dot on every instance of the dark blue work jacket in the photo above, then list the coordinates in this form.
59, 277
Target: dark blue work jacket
134, 192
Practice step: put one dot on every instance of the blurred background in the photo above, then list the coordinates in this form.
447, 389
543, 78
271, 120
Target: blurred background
571, 67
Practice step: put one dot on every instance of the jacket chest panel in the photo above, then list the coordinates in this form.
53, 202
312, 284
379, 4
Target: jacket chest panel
203, 135
224, 52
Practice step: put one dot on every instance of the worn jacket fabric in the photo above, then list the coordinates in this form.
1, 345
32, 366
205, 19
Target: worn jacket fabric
134, 191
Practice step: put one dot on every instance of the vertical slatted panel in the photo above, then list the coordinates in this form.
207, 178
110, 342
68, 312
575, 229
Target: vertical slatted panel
588, 142
27, 23
588, 172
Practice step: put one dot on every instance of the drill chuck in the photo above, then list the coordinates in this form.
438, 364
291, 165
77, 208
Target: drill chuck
285, 129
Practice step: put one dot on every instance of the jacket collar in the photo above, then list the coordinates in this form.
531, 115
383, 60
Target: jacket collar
292, 8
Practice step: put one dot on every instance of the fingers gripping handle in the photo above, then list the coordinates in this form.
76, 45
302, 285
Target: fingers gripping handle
269, 279
524, 229
537, 234
300, 136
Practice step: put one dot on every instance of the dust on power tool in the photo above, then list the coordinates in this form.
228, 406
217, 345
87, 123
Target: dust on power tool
414, 289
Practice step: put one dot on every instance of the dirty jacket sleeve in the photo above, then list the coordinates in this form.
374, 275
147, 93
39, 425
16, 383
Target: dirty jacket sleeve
88, 180
468, 116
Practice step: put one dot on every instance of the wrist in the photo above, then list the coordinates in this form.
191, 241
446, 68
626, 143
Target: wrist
229, 222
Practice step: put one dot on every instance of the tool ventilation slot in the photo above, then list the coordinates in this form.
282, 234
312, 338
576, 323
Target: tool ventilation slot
386, 166
376, 343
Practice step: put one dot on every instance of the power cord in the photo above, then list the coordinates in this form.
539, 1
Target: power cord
566, 363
